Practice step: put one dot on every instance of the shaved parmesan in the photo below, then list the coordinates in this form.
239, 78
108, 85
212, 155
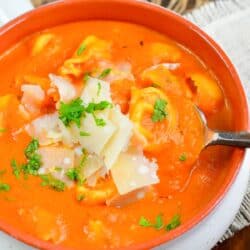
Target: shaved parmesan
45, 129
56, 161
120, 139
99, 135
127, 174
33, 96
96, 91
66, 89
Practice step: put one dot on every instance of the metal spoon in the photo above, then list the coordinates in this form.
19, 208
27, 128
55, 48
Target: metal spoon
238, 139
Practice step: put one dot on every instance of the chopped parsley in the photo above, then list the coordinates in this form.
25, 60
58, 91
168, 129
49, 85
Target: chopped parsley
75, 174
183, 157
81, 49
144, 222
2, 172
155, 85
53, 183
158, 224
174, 223
71, 112
31, 148
16, 170
4, 187
80, 197
72, 174
2, 130
159, 112
33, 161
99, 88
75, 110
58, 169
83, 133
86, 77
98, 106
104, 73
99, 121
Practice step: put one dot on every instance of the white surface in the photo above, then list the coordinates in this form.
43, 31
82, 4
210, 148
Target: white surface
12, 8
201, 237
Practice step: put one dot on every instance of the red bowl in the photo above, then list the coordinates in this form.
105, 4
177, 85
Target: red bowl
166, 22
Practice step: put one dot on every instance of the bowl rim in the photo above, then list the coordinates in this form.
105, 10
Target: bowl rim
212, 204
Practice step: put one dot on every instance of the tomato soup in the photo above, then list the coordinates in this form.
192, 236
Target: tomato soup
101, 141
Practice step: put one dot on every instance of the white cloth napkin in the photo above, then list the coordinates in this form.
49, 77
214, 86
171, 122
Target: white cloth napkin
228, 22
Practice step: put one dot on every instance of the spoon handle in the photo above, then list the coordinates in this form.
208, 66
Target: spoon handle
240, 139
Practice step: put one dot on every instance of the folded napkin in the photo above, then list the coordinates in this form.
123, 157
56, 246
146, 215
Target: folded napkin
228, 22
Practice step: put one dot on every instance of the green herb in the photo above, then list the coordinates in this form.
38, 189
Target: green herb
174, 223
183, 157
71, 112
98, 88
81, 49
2, 130
159, 222
159, 112
99, 121
4, 187
92, 107
144, 222
86, 77
72, 174
104, 73
16, 170
80, 197
33, 164
155, 85
33, 161
82, 133
2, 172
53, 183
31, 148
58, 169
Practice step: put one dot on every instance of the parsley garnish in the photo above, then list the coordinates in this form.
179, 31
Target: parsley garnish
31, 148
75, 110
99, 121
104, 73
159, 224
98, 106
71, 112
2, 130
72, 174
33, 160
82, 133
81, 49
144, 222
80, 197
53, 183
75, 174
183, 157
99, 88
86, 77
16, 170
159, 112
155, 85
4, 187
174, 223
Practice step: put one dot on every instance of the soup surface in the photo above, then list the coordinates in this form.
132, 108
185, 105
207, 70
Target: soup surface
100, 136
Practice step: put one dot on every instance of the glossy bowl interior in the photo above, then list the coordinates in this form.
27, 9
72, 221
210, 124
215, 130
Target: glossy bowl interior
165, 22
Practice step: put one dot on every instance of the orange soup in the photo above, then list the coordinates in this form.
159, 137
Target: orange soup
100, 136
